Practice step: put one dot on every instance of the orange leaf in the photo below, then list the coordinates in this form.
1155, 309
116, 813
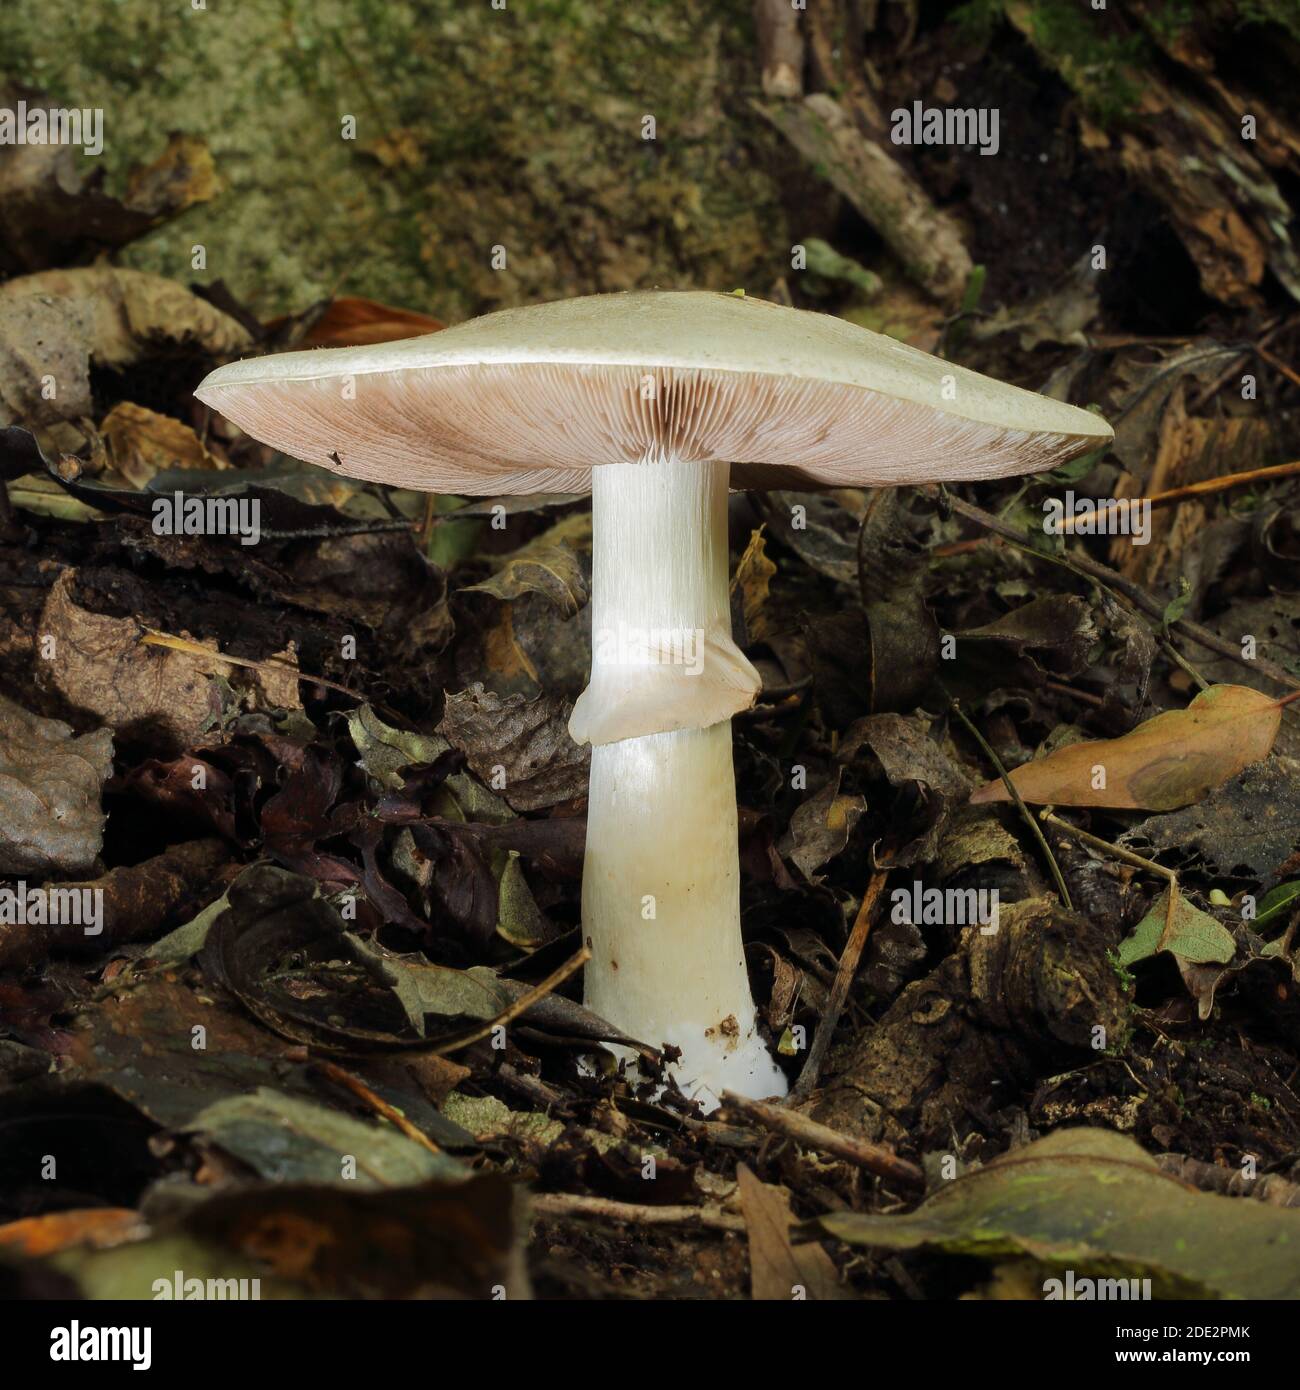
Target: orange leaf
98, 1227
352, 322
1173, 760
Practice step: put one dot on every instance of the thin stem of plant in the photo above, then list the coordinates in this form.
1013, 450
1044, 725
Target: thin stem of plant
1033, 825
1126, 857
844, 974
521, 1005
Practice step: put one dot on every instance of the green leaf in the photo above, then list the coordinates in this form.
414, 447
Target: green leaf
1094, 1202
1176, 607
1195, 936
1276, 901
285, 1139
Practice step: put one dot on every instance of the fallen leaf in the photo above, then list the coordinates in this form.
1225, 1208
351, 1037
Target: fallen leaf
1192, 934
518, 747
141, 444
95, 317
99, 1227
778, 1269
350, 321
50, 781
1094, 1202
1172, 760
749, 588
548, 565
1244, 830
100, 665
287, 1139
821, 827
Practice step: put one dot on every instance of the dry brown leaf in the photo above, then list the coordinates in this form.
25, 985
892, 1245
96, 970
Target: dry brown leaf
61, 323
779, 1269
751, 582
142, 444
99, 664
1170, 761
50, 781
353, 322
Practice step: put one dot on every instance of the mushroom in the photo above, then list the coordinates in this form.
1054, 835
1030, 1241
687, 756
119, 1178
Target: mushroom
657, 402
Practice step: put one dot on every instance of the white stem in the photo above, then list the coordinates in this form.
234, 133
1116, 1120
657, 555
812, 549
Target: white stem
661, 883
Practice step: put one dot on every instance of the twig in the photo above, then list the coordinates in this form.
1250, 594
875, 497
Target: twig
844, 974
153, 638
1181, 661
1084, 697
1278, 365
875, 1158
1135, 593
1126, 856
521, 1005
1207, 486
1230, 1182
559, 1206
1015, 796
377, 1103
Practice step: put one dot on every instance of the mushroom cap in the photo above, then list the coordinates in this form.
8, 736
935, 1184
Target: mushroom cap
530, 400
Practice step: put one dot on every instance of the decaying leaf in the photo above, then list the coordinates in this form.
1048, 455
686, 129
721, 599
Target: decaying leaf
289, 1139
749, 586
141, 444
88, 318
1173, 760
777, 1268
1245, 829
1094, 1202
100, 664
821, 827
548, 565
519, 747
50, 815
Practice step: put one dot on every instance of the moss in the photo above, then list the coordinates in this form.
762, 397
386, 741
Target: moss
475, 128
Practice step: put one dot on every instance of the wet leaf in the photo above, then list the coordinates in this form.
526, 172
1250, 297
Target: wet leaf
1172, 760
1094, 1202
